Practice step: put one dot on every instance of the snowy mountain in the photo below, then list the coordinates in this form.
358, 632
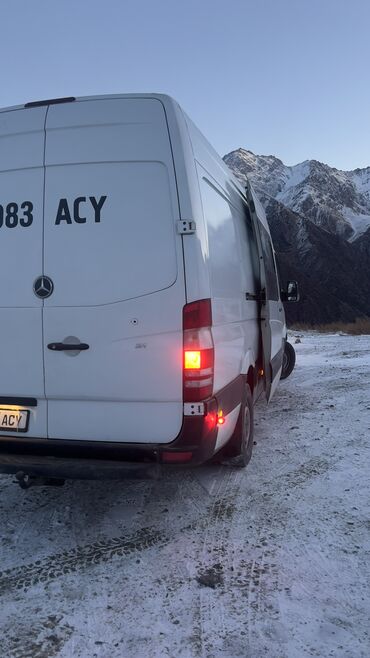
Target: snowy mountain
338, 201
320, 224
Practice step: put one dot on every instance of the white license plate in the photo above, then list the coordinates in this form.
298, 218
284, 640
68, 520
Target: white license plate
14, 421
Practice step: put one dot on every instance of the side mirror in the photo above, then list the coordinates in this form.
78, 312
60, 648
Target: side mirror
291, 294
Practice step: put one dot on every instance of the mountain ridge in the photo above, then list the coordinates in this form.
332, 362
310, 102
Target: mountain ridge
335, 199
307, 207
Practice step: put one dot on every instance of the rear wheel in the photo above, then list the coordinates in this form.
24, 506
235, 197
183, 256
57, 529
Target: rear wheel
238, 450
288, 361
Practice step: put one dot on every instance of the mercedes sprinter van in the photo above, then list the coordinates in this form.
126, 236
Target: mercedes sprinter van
140, 309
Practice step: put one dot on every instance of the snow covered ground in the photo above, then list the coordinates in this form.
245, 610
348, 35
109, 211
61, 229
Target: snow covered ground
269, 562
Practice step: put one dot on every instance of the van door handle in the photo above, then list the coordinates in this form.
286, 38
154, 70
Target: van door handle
63, 347
255, 297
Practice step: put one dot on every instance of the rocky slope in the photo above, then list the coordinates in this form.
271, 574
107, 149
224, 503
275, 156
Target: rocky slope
338, 201
320, 230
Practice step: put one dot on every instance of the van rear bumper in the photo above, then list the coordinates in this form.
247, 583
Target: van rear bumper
99, 459
107, 460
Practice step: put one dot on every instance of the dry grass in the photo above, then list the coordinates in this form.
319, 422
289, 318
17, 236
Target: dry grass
359, 327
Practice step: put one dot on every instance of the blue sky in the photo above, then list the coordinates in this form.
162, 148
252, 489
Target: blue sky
282, 77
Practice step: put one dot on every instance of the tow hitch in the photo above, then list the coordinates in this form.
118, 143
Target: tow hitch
26, 481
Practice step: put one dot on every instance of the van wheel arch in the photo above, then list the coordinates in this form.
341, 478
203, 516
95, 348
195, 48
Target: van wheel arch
238, 450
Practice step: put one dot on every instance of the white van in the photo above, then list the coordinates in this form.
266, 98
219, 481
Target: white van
140, 307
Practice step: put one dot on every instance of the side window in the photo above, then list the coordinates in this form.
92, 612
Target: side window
272, 291
226, 280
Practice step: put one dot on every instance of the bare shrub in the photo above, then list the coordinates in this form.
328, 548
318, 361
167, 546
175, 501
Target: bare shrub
359, 327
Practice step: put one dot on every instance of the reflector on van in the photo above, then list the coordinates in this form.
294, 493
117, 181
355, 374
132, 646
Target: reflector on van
176, 457
220, 418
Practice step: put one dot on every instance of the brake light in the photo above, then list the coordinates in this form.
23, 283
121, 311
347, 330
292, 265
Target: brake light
192, 360
198, 351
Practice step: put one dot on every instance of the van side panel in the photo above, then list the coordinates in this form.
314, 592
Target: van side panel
220, 176
235, 319
226, 263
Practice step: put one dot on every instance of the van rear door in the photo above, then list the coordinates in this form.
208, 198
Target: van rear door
21, 229
111, 250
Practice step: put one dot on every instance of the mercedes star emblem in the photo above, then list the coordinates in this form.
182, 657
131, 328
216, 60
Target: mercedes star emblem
43, 287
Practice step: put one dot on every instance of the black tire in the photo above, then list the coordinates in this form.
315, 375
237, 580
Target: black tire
288, 361
238, 450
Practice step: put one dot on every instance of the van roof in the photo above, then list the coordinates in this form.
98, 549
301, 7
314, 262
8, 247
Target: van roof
163, 97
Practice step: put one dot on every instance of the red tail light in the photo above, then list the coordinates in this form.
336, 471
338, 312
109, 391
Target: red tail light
198, 351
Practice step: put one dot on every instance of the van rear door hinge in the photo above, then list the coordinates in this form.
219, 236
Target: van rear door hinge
186, 226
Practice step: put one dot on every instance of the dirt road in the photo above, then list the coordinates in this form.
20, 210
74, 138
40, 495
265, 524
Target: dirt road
271, 561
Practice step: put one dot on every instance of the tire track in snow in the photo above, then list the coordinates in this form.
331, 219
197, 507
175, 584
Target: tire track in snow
220, 560
215, 536
67, 562
211, 531
216, 522
82, 557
